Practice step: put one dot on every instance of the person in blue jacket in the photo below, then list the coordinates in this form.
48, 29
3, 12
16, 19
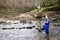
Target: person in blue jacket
46, 24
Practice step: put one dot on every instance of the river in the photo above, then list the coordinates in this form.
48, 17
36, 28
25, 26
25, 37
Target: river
27, 34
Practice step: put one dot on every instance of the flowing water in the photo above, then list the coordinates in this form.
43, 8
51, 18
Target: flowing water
14, 33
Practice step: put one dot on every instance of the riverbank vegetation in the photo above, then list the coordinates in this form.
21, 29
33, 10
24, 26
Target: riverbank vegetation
46, 5
51, 5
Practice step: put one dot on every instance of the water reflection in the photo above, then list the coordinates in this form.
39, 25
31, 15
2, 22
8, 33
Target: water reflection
47, 36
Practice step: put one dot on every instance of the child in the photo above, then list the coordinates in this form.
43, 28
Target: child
46, 24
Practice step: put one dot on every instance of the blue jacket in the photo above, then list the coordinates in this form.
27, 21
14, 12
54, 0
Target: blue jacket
46, 26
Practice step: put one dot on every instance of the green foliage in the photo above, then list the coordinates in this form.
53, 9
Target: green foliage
51, 8
51, 5
34, 11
